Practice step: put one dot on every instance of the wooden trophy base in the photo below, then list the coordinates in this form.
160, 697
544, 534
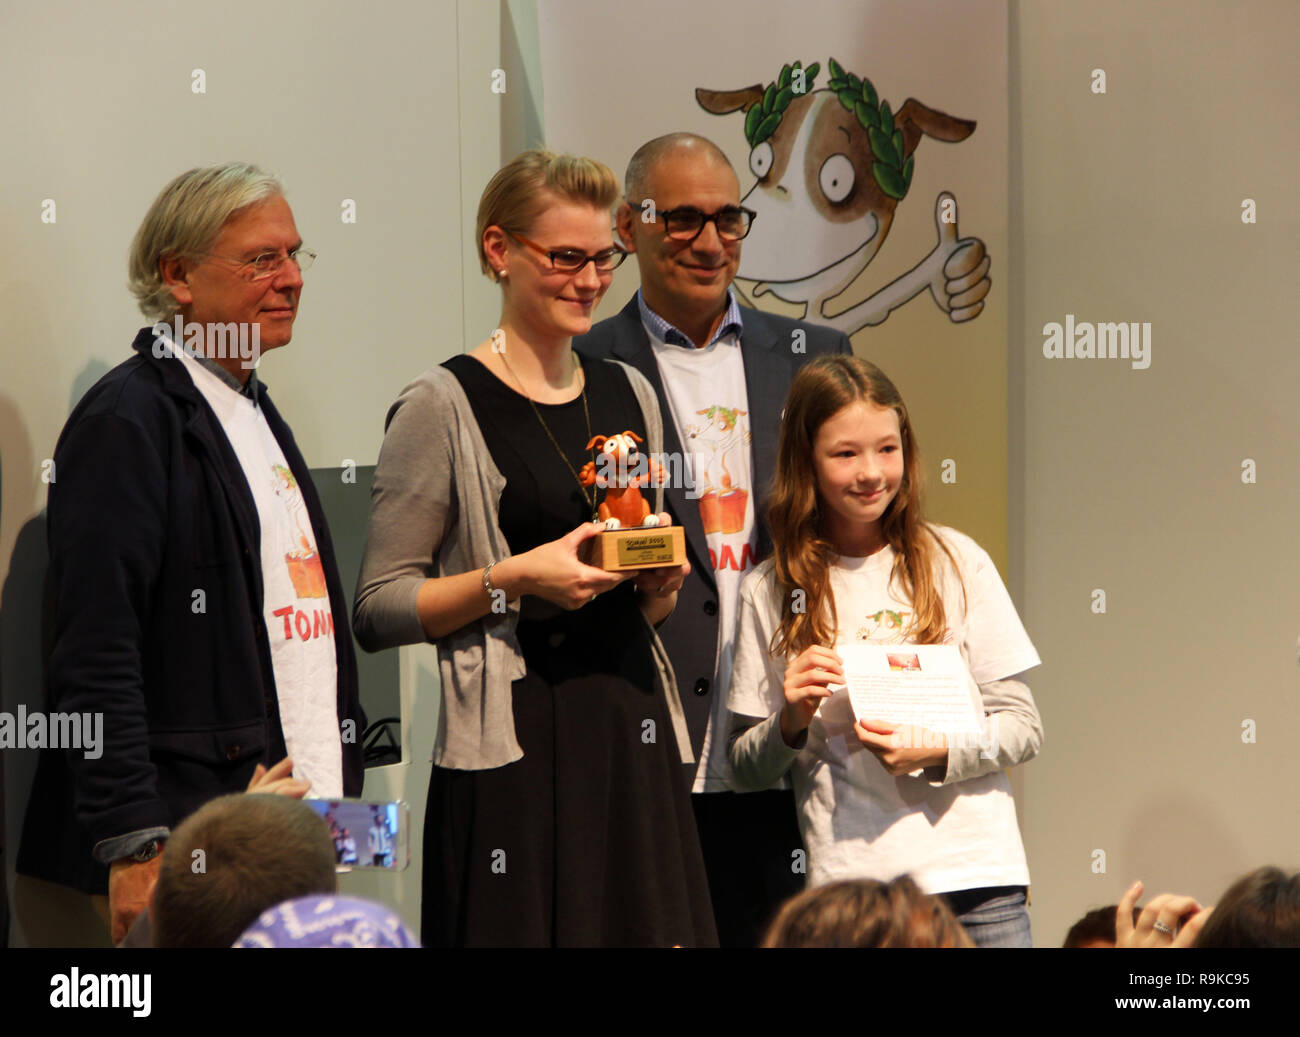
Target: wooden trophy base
644, 547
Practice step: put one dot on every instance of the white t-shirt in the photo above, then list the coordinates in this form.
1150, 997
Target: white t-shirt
295, 603
857, 820
707, 398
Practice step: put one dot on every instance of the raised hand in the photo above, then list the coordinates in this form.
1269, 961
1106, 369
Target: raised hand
1169, 920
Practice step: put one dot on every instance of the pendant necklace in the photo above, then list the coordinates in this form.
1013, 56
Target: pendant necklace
589, 495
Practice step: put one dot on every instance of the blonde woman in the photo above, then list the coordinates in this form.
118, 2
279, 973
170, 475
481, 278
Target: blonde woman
556, 813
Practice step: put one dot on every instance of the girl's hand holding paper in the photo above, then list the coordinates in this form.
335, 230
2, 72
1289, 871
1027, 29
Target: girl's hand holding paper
902, 749
806, 681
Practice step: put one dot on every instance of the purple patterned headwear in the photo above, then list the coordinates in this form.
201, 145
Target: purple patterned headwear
328, 921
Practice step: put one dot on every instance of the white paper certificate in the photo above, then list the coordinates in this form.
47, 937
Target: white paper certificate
926, 685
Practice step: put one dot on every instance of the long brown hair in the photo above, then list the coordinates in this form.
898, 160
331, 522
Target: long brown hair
866, 913
802, 551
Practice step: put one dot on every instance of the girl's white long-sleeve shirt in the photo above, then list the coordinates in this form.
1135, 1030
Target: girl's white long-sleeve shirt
953, 828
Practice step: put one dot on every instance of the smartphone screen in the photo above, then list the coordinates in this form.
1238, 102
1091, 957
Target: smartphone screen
366, 834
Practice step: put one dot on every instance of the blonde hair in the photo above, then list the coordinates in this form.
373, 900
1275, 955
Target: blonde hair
185, 219
517, 194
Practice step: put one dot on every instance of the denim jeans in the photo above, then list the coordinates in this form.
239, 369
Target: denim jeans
1001, 921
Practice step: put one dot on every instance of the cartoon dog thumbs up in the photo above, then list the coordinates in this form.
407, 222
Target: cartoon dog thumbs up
961, 266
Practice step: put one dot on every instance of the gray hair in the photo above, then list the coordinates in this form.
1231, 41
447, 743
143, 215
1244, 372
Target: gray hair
649, 154
185, 219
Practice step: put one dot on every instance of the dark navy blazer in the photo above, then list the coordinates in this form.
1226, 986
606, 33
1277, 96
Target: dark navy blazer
148, 506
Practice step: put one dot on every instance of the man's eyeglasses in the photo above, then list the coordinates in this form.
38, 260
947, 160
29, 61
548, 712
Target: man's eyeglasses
268, 264
686, 222
570, 260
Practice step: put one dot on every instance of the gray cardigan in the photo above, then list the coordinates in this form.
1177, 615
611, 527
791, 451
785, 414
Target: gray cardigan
434, 512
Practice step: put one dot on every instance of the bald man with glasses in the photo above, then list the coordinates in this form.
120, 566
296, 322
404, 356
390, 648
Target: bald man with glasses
721, 374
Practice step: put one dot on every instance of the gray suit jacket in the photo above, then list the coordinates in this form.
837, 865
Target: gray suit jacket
690, 634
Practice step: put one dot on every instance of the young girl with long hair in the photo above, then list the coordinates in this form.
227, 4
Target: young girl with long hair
855, 562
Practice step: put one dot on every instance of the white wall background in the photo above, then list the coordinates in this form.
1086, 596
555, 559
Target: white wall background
1127, 207
1124, 207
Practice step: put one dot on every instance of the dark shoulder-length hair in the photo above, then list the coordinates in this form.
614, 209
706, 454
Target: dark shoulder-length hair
1261, 909
802, 551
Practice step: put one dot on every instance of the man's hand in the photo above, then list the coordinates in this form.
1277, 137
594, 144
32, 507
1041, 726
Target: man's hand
278, 781
130, 888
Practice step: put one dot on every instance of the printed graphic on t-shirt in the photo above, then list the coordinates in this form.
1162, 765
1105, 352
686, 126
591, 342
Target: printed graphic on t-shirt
718, 442
883, 627
302, 619
303, 561
889, 626
709, 408
299, 621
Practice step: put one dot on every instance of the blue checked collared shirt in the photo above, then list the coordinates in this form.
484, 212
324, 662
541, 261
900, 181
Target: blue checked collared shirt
665, 332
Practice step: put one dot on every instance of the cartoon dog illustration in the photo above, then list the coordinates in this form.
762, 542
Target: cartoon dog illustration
722, 503
303, 562
831, 166
622, 472
884, 626
719, 436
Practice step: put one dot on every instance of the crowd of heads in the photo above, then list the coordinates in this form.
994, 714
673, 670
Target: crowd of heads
1261, 909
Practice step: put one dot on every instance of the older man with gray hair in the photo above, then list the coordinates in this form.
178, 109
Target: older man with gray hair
197, 604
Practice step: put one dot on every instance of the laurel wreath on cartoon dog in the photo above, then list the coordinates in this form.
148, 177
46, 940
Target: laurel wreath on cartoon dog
891, 171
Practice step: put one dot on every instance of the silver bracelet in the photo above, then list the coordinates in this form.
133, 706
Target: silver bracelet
487, 580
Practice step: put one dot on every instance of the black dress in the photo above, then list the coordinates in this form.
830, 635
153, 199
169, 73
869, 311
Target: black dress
589, 839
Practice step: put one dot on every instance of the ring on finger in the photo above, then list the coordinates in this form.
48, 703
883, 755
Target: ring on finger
1160, 927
